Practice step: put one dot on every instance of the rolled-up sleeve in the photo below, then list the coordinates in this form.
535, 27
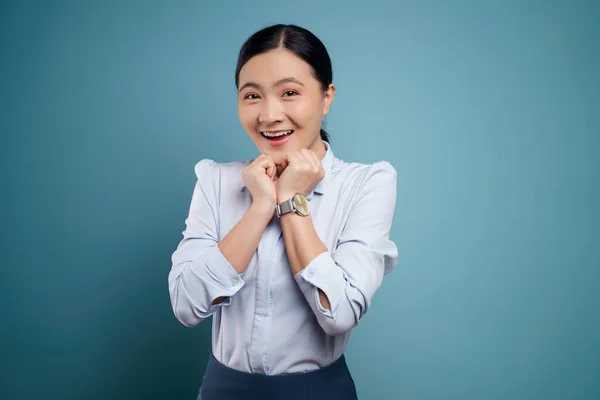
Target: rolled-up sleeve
350, 274
200, 273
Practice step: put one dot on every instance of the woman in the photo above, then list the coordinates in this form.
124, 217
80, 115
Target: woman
286, 251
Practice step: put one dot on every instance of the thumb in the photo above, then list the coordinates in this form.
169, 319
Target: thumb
271, 171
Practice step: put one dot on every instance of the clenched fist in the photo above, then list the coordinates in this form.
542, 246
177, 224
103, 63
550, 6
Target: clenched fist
259, 178
302, 171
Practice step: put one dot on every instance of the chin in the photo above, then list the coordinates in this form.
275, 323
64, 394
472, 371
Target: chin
278, 158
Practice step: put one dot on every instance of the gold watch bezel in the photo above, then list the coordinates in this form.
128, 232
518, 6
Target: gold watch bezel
301, 204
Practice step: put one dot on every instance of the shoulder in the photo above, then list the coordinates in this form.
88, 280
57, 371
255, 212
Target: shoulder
363, 176
209, 170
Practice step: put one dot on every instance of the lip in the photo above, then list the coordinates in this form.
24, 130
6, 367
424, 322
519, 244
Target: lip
278, 143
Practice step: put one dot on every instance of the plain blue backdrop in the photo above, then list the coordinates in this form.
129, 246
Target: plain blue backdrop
487, 110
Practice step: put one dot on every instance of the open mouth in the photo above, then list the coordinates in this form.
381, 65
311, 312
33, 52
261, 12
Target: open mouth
276, 135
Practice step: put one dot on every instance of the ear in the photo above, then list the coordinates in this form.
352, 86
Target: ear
328, 98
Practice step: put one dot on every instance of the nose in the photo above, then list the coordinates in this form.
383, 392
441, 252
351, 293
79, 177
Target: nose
270, 112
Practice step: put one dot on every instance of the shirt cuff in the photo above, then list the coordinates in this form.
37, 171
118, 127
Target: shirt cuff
322, 273
214, 307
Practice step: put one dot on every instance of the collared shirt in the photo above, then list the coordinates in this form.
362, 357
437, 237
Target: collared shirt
272, 321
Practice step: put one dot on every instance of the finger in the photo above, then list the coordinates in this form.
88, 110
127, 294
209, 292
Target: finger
257, 160
318, 164
305, 158
271, 170
311, 157
269, 167
315, 163
252, 165
291, 157
264, 161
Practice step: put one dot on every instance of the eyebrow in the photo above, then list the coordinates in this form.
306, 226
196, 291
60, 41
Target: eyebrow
278, 83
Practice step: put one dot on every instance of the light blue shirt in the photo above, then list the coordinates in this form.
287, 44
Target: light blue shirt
272, 322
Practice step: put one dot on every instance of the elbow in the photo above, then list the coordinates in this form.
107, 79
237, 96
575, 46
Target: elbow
340, 318
184, 309
336, 326
187, 316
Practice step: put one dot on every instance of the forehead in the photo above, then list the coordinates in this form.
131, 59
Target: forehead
275, 65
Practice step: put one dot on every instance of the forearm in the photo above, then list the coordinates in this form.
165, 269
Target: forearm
339, 282
302, 244
241, 242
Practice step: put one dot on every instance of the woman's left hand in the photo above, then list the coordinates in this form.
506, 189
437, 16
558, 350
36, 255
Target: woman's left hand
302, 171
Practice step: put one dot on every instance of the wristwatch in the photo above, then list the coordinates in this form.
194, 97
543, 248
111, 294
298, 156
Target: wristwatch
297, 203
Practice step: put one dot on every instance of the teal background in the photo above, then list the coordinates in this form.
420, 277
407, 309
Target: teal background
488, 110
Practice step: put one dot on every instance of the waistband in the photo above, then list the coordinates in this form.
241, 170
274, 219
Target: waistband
330, 382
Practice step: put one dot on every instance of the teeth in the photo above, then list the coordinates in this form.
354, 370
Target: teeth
275, 134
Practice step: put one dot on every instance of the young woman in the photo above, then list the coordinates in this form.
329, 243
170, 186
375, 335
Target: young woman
286, 251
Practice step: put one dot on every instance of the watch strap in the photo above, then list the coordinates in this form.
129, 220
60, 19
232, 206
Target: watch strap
285, 207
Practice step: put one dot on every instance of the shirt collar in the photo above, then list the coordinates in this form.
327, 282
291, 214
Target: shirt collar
326, 162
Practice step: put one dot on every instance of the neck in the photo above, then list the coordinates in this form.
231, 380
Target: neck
319, 148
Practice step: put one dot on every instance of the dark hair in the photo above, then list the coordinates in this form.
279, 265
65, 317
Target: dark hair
299, 41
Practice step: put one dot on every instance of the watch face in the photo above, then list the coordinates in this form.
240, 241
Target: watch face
301, 204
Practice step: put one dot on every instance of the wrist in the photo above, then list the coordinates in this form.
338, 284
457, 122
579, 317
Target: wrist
264, 208
283, 196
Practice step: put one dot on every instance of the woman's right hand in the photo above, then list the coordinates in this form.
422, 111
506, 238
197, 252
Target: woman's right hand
259, 178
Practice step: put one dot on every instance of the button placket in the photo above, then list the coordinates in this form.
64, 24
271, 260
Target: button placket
262, 312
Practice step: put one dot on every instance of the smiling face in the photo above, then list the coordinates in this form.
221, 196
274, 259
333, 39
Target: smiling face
281, 104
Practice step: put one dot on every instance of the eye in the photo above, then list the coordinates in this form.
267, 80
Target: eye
251, 96
289, 93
